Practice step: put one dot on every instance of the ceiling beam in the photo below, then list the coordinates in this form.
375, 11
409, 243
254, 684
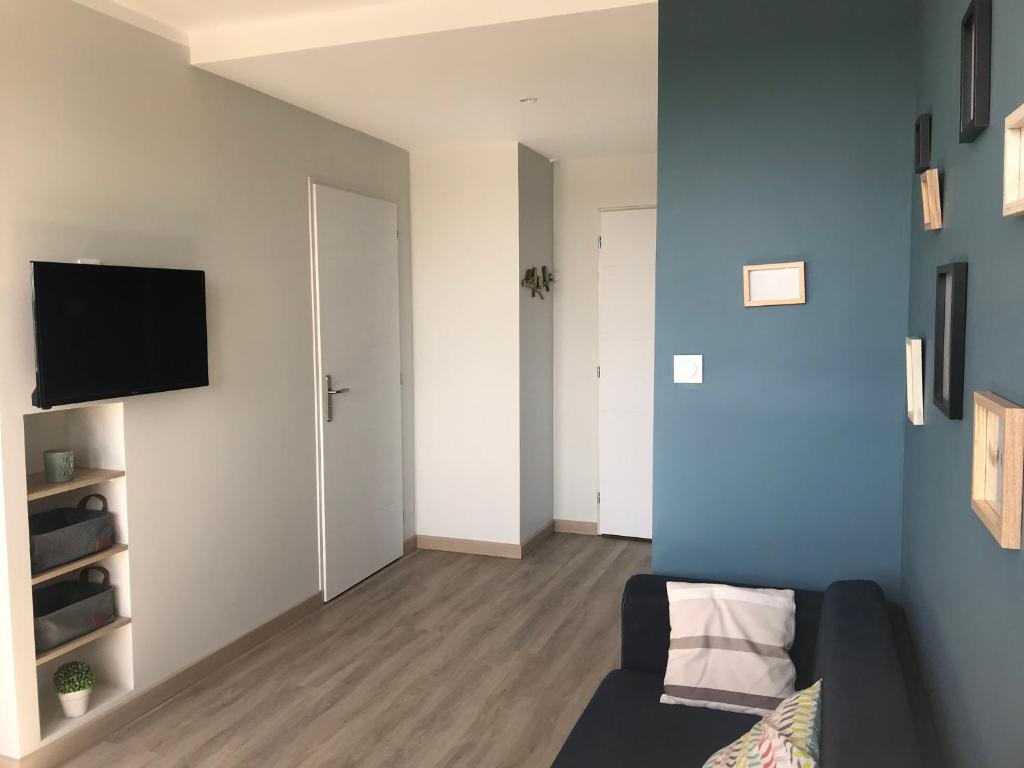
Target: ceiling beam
375, 22
136, 19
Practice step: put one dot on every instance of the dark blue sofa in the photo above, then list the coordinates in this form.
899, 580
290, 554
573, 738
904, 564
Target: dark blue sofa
844, 636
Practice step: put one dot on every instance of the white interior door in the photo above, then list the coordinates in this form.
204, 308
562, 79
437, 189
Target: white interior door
626, 385
355, 285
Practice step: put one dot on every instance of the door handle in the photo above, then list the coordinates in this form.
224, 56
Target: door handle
329, 398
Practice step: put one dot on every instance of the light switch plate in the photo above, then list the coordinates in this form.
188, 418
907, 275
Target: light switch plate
688, 369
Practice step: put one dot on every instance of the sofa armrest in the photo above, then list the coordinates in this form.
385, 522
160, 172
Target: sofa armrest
645, 626
867, 716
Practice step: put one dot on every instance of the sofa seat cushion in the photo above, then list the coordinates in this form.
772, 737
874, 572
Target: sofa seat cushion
624, 725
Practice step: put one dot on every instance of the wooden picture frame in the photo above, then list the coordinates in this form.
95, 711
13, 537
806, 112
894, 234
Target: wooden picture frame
1013, 161
915, 381
997, 473
773, 285
931, 199
950, 338
923, 143
975, 70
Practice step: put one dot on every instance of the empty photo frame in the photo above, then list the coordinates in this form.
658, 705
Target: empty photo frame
771, 285
997, 474
915, 381
950, 337
975, 70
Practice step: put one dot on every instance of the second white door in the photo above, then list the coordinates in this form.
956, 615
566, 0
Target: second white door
355, 269
626, 263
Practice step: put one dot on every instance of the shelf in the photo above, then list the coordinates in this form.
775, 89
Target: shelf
78, 642
38, 488
75, 565
53, 724
95, 433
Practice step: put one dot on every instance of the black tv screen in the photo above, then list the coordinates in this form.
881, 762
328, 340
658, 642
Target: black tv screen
106, 332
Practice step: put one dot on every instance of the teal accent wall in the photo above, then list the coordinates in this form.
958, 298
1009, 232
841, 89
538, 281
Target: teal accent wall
785, 134
963, 594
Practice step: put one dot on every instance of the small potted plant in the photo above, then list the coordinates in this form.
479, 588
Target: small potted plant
74, 682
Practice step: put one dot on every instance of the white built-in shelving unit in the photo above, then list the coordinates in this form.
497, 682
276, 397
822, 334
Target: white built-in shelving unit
96, 434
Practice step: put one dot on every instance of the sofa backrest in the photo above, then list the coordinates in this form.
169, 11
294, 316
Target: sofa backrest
645, 627
866, 713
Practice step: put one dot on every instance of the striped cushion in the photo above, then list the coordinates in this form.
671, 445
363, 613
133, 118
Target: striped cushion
729, 647
787, 738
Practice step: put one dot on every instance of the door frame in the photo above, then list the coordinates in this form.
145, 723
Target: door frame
597, 415
318, 390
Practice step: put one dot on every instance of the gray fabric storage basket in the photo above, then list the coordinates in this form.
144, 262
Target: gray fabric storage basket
59, 536
70, 609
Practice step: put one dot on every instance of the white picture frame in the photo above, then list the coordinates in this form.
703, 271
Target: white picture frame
915, 381
773, 285
1013, 175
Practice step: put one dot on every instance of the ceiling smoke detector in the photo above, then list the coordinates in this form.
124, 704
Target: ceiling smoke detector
529, 100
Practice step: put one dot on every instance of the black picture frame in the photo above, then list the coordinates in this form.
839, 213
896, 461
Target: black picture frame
975, 70
923, 143
950, 338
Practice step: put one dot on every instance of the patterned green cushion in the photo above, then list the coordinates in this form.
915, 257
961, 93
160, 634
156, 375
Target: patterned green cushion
787, 738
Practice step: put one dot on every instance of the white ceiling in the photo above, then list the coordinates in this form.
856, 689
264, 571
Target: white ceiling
385, 67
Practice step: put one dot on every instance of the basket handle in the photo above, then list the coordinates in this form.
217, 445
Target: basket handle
83, 576
84, 503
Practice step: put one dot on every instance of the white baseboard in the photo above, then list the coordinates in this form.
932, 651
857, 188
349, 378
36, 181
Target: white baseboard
470, 546
488, 548
581, 527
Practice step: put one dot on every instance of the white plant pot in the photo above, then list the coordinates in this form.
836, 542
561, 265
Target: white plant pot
75, 704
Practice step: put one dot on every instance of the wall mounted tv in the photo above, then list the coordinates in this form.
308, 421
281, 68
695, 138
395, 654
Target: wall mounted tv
104, 332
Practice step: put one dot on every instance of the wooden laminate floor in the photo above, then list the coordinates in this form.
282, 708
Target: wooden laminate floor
439, 660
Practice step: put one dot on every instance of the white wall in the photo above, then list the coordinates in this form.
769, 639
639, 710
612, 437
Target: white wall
582, 188
466, 313
536, 244
114, 148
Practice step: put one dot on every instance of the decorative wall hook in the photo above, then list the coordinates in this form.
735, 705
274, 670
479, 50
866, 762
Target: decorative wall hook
547, 277
538, 282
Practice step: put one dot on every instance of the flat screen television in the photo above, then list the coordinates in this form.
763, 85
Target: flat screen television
105, 332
